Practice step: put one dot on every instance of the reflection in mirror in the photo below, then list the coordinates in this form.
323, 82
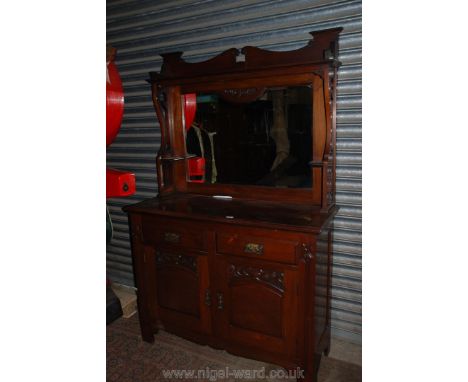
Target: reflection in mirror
250, 136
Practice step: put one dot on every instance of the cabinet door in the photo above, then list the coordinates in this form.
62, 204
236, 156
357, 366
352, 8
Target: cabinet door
182, 290
256, 304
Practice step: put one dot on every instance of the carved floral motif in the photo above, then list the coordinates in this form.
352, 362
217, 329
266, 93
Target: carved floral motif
136, 233
164, 258
242, 95
274, 278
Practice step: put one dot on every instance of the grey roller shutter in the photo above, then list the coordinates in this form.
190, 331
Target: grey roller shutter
141, 30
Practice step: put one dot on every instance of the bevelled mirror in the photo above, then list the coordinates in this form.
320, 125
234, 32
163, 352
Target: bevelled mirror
253, 136
250, 123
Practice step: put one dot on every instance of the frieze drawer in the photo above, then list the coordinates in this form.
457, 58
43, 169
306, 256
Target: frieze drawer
172, 233
257, 247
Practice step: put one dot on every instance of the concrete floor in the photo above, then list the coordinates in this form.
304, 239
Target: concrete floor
346, 351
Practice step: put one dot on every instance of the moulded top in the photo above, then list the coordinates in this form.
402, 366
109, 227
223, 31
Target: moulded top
239, 211
321, 49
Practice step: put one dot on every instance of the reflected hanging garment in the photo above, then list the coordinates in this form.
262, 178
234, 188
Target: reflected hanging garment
279, 132
214, 171
200, 142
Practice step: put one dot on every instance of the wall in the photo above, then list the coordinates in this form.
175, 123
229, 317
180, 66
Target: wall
141, 30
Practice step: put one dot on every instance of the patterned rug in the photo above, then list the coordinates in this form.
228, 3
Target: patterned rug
129, 359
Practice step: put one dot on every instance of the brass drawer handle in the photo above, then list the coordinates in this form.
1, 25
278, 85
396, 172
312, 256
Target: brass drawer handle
207, 297
308, 255
256, 249
220, 301
171, 237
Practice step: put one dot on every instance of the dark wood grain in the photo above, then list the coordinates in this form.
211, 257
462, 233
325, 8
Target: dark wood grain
236, 212
322, 48
250, 274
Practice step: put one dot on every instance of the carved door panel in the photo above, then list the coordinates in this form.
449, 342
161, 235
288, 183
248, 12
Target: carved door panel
182, 290
256, 304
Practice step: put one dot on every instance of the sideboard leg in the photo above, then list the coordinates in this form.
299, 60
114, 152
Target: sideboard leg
327, 346
309, 376
146, 332
147, 337
311, 373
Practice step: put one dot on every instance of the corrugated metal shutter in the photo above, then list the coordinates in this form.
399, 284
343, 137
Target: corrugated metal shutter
141, 30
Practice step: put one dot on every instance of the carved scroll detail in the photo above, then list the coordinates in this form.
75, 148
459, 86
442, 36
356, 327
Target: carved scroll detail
242, 95
331, 159
330, 185
322, 48
136, 233
271, 277
158, 98
329, 155
319, 121
164, 258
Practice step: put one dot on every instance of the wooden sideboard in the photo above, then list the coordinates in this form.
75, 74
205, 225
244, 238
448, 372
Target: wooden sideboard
243, 267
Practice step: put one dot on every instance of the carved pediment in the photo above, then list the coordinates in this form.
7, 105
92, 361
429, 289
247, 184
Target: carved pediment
321, 48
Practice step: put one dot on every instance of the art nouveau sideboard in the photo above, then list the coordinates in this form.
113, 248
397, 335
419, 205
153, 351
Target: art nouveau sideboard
236, 250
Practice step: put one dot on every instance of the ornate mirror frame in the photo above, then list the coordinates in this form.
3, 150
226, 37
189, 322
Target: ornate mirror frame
243, 72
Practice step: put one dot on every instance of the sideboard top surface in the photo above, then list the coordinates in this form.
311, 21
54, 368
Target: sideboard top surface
236, 211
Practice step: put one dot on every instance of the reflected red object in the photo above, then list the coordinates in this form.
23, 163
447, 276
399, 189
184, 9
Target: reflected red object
190, 107
196, 166
114, 103
119, 183
197, 169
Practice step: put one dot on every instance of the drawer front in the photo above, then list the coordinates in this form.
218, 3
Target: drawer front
260, 247
172, 233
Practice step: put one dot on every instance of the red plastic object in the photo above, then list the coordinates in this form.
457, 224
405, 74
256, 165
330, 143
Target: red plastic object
119, 183
196, 166
114, 103
196, 169
190, 107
